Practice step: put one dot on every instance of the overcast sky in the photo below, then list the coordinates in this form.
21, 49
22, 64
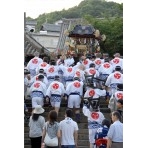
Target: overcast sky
34, 8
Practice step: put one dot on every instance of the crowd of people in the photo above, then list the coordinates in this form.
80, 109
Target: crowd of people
85, 81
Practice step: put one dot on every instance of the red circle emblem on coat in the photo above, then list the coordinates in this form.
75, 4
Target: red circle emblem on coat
55, 86
106, 65
117, 75
95, 115
77, 84
91, 93
78, 73
92, 71
43, 64
69, 69
85, 62
98, 62
37, 78
34, 61
116, 61
51, 69
119, 95
37, 85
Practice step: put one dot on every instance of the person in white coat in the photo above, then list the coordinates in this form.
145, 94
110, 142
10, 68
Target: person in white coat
55, 92
34, 63
38, 92
74, 91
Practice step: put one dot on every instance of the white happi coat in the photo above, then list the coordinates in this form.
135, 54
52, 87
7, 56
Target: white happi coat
35, 78
105, 68
94, 118
117, 62
42, 65
56, 88
38, 86
95, 93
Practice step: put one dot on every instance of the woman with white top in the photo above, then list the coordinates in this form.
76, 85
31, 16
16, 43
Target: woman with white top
36, 124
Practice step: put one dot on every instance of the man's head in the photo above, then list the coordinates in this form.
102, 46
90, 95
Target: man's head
117, 68
93, 57
98, 55
106, 122
36, 54
52, 62
117, 55
40, 77
45, 59
120, 104
106, 60
92, 65
41, 71
69, 113
120, 87
116, 116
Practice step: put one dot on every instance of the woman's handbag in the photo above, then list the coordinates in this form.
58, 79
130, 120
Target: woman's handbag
50, 141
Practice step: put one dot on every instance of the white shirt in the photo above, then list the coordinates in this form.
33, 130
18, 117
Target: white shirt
93, 116
105, 68
52, 70
68, 71
36, 127
117, 62
55, 87
115, 132
80, 74
68, 127
34, 62
115, 77
68, 61
118, 95
92, 71
42, 65
35, 78
95, 93
38, 86
86, 63
98, 62
75, 87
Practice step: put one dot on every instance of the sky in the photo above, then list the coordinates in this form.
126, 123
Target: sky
34, 8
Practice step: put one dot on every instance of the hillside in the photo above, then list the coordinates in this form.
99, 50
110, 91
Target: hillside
95, 8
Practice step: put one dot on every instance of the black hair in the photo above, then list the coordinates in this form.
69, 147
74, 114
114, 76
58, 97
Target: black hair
117, 114
35, 116
41, 70
40, 77
52, 62
106, 122
118, 68
45, 59
120, 101
69, 113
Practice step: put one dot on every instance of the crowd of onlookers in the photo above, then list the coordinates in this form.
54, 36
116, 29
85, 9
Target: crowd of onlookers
87, 81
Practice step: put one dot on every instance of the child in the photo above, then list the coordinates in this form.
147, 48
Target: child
100, 136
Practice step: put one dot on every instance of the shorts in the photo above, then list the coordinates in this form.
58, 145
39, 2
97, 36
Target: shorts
55, 101
92, 133
37, 101
74, 101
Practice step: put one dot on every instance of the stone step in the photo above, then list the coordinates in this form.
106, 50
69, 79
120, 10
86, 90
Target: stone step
29, 146
83, 118
80, 142
81, 131
80, 136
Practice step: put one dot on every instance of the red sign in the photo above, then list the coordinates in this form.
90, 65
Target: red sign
69, 69
34, 61
55, 86
98, 62
77, 84
91, 93
85, 62
116, 61
37, 85
43, 64
117, 75
78, 73
106, 65
120, 95
95, 115
92, 71
51, 69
